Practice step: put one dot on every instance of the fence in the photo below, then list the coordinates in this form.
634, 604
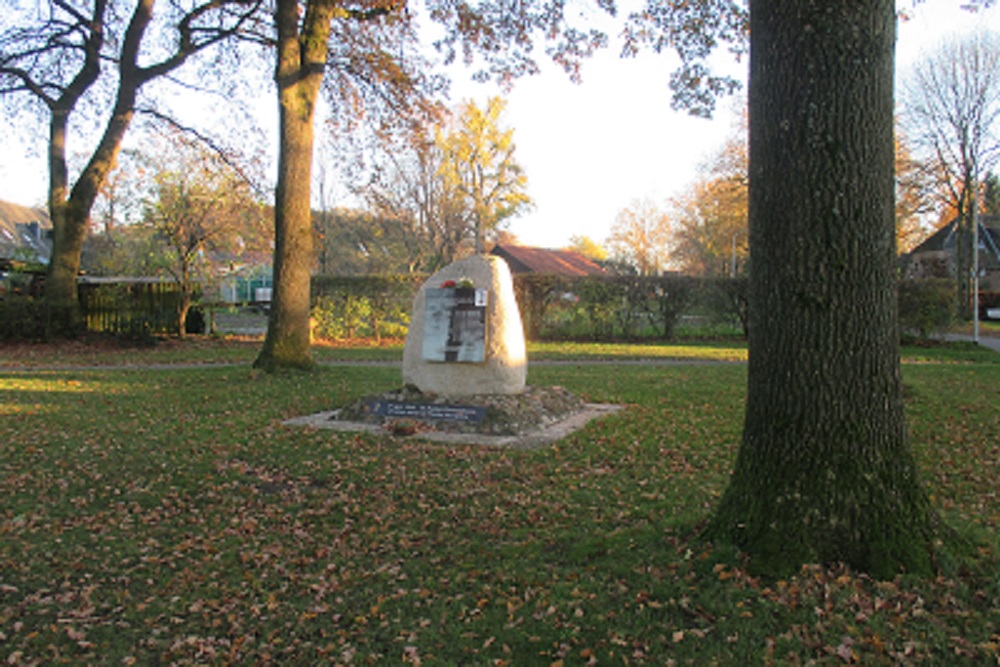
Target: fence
131, 307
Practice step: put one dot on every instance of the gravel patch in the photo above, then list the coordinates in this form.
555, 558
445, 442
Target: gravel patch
535, 417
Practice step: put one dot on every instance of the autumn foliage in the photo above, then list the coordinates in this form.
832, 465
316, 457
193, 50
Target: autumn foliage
168, 516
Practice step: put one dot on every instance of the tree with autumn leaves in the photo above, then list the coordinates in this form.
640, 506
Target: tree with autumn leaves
197, 206
449, 185
825, 472
371, 34
58, 57
479, 164
709, 234
952, 112
640, 238
709, 222
310, 38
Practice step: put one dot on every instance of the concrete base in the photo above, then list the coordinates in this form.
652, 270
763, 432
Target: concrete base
529, 440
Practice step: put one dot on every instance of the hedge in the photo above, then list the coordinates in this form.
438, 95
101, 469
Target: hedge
624, 307
592, 308
346, 307
552, 307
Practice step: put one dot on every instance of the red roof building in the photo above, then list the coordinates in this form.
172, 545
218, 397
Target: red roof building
526, 259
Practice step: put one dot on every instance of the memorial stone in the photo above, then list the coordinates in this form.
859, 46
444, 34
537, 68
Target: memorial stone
465, 336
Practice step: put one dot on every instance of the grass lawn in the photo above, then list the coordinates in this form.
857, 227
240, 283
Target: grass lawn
166, 516
195, 350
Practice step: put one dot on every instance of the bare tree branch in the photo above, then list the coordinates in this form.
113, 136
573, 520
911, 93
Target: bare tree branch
224, 154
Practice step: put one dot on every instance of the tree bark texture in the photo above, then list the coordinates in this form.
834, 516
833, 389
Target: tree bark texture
70, 208
67, 230
825, 472
299, 73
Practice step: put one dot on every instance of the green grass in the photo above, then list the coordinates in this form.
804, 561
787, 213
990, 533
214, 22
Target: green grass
734, 350
958, 352
195, 350
211, 350
168, 517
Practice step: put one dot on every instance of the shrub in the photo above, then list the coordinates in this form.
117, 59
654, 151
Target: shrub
196, 321
340, 317
927, 306
669, 297
22, 318
603, 307
362, 306
730, 297
543, 300
600, 299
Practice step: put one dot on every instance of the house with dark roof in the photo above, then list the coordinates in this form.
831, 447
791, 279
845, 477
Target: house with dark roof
935, 257
25, 233
542, 261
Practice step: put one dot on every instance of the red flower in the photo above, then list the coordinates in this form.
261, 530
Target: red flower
448, 283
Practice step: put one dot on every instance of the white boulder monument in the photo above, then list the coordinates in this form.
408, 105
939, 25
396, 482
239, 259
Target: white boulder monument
465, 336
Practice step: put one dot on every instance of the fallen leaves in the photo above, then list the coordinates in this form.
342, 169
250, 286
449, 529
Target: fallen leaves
184, 525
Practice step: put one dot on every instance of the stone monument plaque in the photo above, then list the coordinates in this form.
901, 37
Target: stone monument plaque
466, 340
455, 324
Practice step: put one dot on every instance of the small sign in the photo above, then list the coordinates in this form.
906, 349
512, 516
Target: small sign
427, 411
455, 324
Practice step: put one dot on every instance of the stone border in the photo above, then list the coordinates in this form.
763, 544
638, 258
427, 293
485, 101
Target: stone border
528, 440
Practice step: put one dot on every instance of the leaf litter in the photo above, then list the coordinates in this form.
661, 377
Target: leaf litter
136, 529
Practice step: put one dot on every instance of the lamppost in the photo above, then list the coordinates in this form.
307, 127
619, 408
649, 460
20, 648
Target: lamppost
732, 265
975, 254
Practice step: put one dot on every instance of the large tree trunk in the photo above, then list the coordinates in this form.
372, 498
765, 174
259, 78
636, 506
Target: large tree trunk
301, 61
61, 302
71, 214
70, 209
825, 473
61, 299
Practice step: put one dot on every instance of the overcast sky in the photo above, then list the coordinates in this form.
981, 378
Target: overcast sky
590, 149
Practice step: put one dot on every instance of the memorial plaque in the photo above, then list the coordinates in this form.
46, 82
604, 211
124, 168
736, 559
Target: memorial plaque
451, 323
427, 411
455, 324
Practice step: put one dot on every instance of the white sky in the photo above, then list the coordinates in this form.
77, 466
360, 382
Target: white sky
590, 149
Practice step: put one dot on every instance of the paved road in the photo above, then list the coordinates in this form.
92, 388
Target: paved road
984, 341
